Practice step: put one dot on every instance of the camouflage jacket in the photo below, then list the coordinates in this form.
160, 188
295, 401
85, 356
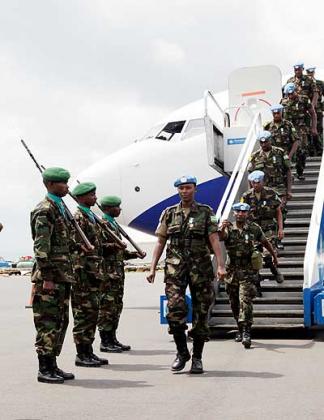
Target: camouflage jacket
90, 263
111, 251
275, 165
263, 209
188, 232
297, 111
320, 104
53, 237
304, 85
240, 244
283, 134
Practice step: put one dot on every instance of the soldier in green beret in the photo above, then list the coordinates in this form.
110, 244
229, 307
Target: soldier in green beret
111, 302
52, 274
89, 271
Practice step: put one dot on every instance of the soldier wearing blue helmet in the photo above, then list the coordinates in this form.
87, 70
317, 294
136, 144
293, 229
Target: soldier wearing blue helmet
191, 229
319, 107
241, 240
283, 133
305, 85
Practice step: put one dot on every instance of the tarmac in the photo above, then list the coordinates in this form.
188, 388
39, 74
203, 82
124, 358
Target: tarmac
276, 379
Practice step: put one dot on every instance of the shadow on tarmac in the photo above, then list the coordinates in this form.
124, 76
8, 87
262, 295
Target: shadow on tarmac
276, 347
106, 384
233, 374
149, 352
135, 368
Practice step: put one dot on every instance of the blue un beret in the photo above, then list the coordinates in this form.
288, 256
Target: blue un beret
256, 176
298, 65
276, 108
241, 207
310, 69
289, 88
264, 135
186, 179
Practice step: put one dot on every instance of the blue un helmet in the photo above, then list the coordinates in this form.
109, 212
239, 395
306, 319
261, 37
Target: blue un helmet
276, 108
241, 207
256, 176
264, 136
186, 179
310, 70
299, 65
289, 88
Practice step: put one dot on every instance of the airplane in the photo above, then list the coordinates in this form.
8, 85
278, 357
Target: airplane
203, 138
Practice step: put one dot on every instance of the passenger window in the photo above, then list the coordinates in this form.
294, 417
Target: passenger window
170, 130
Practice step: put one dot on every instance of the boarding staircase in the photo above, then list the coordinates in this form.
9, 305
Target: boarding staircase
281, 305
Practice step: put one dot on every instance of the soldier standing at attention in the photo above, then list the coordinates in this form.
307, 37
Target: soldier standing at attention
190, 228
275, 164
241, 240
298, 110
283, 133
111, 301
318, 140
89, 271
52, 274
265, 210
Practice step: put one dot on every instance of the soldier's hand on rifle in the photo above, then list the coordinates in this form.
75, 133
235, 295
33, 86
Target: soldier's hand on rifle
150, 278
48, 285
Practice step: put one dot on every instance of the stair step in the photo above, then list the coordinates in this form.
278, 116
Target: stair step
306, 196
293, 240
314, 159
260, 308
286, 253
297, 221
273, 286
293, 205
296, 231
285, 262
265, 299
228, 322
297, 213
288, 272
302, 188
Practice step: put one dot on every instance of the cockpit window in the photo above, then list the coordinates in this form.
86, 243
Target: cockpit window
170, 130
193, 128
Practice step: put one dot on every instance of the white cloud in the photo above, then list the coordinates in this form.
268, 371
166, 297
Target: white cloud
167, 52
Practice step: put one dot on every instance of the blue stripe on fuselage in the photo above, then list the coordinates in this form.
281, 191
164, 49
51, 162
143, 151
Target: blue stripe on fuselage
209, 192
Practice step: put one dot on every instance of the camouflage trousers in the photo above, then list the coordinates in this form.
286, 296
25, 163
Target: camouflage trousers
51, 317
302, 150
85, 309
241, 292
111, 297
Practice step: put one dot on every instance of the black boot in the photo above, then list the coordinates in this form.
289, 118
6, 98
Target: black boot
277, 274
65, 375
95, 357
83, 357
183, 354
246, 337
238, 336
46, 371
258, 285
124, 347
107, 344
196, 362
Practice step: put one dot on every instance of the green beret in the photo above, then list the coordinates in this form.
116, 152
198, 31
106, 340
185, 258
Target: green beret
110, 201
83, 188
56, 175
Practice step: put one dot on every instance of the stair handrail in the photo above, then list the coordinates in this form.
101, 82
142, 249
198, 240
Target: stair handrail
314, 252
239, 170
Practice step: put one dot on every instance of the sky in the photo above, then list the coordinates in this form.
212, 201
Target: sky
81, 79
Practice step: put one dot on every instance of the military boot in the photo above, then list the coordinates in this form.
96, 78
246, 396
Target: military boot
83, 357
65, 375
277, 274
107, 344
238, 335
183, 354
124, 347
246, 336
258, 286
46, 371
196, 361
95, 357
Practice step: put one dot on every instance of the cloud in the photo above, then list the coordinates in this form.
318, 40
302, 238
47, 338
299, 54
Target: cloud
167, 52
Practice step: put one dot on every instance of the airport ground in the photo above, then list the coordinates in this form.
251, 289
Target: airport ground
278, 378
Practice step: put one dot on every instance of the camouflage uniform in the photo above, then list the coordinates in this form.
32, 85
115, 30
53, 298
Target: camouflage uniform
86, 292
319, 108
283, 134
53, 244
297, 111
240, 278
188, 263
305, 85
112, 291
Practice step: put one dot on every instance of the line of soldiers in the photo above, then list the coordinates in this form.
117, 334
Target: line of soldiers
65, 269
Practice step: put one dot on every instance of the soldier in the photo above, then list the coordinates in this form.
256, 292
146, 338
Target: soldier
111, 301
275, 164
305, 85
265, 210
89, 270
190, 228
318, 140
297, 110
241, 240
52, 274
283, 133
